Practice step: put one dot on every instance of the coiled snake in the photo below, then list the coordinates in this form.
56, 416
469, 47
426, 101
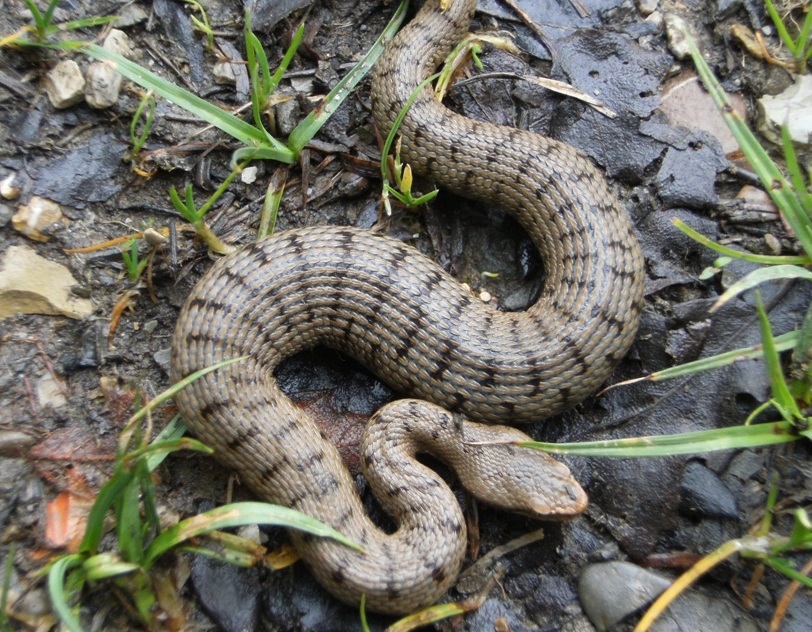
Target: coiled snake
403, 317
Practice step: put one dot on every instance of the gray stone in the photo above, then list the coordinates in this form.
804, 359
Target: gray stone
703, 494
612, 591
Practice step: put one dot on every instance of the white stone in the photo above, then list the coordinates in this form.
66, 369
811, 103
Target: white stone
103, 85
676, 30
37, 218
119, 43
49, 392
792, 107
647, 7
64, 84
30, 284
249, 175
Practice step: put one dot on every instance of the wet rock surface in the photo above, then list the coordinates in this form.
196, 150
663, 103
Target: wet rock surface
55, 409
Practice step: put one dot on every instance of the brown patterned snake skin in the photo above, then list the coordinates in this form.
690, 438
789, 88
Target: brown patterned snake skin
400, 315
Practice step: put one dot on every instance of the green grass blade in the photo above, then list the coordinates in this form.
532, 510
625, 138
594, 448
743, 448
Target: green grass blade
771, 177
247, 154
794, 169
48, 16
273, 82
783, 33
167, 447
311, 124
128, 523
230, 124
760, 276
178, 386
35, 13
86, 23
56, 590
775, 374
683, 443
782, 566
149, 498
228, 556
784, 342
109, 494
235, 515
106, 565
175, 429
738, 254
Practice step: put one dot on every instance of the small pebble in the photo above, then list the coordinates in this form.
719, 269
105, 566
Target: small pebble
119, 43
676, 30
772, 243
612, 591
103, 85
14, 443
249, 175
647, 7
64, 84
7, 188
704, 495
38, 218
129, 15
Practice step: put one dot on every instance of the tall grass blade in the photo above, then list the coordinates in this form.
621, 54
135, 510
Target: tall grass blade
772, 363
219, 118
756, 277
56, 589
682, 443
311, 124
238, 514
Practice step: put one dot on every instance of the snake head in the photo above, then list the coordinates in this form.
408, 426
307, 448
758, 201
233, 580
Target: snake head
519, 479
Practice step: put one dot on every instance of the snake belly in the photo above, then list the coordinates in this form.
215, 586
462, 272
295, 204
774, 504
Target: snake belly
399, 314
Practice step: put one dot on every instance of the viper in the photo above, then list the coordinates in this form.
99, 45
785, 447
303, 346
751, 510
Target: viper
469, 368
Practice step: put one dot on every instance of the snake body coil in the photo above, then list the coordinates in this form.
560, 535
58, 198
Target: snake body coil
399, 314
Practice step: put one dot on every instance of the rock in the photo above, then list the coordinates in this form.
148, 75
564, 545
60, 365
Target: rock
12, 481
249, 175
792, 107
685, 102
704, 495
696, 611
64, 84
7, 188
687, 177
129, 15
30, 284
49, 393
224, 73
162, 357
103, 82
38, 218
5, 214
229, 594
14, 443
676, 29
647, 7
103, 85
119, 43
612, 591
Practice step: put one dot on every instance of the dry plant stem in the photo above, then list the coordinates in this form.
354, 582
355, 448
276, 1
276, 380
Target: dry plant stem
704, 565
786, 598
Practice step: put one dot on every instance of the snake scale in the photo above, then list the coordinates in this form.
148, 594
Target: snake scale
468, 365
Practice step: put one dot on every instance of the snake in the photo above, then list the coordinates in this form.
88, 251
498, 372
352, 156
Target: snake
470, 371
